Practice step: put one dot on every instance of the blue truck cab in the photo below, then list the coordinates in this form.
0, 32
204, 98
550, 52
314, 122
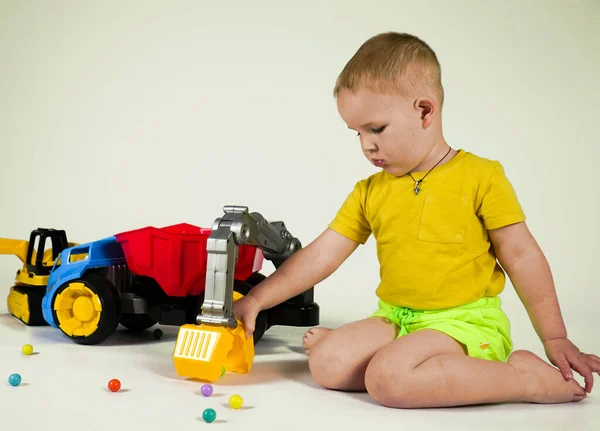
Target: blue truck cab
73, 263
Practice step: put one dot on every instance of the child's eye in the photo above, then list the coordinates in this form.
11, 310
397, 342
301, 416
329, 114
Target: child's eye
376, 131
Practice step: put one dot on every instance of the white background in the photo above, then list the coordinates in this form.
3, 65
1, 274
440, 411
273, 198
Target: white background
118, 115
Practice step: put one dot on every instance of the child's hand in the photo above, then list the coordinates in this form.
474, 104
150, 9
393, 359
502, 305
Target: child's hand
565, 355
246, 309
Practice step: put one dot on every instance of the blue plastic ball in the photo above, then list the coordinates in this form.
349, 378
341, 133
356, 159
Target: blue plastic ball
209, 415
14, 379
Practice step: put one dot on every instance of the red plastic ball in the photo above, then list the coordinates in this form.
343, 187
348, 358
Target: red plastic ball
114, 385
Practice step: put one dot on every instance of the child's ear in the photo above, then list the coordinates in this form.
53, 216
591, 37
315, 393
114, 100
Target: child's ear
426, 107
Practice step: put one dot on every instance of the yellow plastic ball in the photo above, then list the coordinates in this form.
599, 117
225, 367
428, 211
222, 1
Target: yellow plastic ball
27, 349
236, 402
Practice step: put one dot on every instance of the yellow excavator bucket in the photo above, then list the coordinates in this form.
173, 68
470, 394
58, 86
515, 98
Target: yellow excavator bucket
202, 351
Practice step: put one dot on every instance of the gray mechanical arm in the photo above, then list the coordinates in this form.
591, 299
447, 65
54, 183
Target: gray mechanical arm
238, 227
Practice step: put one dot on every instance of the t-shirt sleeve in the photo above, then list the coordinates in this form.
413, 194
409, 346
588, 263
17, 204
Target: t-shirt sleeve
350, 220
499, 205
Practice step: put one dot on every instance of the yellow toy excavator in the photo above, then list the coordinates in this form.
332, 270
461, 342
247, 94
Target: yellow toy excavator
25, 297
218, 341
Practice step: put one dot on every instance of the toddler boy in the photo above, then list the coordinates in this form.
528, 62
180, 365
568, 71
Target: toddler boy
447, 225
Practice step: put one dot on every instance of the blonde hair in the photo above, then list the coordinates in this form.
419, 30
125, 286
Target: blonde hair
393, 61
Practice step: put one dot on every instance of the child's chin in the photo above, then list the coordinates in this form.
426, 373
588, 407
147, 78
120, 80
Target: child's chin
394, 172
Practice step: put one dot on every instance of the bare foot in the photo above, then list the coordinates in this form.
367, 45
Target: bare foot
545, 384
312, 336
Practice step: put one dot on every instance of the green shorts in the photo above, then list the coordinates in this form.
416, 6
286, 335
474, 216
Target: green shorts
481, 326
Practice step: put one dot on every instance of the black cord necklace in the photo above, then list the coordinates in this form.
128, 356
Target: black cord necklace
417, 189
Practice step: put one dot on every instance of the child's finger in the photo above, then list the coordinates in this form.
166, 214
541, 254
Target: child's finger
594, 364
565, 368
249, 327
581, 366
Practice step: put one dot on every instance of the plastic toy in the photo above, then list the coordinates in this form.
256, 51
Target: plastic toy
14, 379
25, 297
157, 333
206, 390
161, 275
209, 415
217, 339
27, 349
114, 385
180, 275
235, 401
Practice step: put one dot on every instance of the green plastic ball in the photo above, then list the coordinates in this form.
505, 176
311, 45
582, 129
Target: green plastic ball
209, 415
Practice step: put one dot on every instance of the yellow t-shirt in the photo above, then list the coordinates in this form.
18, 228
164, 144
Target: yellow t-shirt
433, 248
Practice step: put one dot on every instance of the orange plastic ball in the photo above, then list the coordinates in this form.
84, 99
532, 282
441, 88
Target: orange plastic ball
114, 385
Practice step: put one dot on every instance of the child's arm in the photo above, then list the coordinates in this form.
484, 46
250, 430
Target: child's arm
522, 259
305, 268
519, 254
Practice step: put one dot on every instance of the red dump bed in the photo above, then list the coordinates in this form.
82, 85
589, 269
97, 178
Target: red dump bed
175, 256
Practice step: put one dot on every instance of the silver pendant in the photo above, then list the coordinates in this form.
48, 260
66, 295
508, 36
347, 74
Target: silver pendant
417, 189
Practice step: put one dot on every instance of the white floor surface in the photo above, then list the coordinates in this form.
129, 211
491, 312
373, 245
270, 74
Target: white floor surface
64, 386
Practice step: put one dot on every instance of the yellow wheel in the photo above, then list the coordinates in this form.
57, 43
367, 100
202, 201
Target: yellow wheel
78, 310
86, 309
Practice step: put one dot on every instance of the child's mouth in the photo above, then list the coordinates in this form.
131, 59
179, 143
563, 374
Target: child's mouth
378, 162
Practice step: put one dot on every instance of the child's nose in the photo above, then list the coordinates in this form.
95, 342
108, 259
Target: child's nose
369, 145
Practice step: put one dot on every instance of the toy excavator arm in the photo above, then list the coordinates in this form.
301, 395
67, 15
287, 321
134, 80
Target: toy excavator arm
238, 227
14, 246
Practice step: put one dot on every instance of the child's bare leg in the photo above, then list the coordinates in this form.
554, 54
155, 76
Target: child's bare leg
429, 369
339, 359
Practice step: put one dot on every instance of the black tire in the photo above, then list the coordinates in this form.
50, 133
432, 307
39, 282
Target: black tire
109, 318
137, 322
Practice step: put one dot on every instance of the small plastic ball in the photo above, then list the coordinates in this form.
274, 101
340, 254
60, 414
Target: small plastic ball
222, 371
27, 349
206, 390
236, 402
158, 333
114, 385
209, 415
14, 379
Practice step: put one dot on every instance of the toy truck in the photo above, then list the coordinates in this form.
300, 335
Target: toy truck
25, 296
175, 275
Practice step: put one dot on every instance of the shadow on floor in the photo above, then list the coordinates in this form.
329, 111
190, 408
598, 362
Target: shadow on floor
261, 372
7, 320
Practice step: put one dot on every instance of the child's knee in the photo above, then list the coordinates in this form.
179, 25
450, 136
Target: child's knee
387, 383
328, 366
